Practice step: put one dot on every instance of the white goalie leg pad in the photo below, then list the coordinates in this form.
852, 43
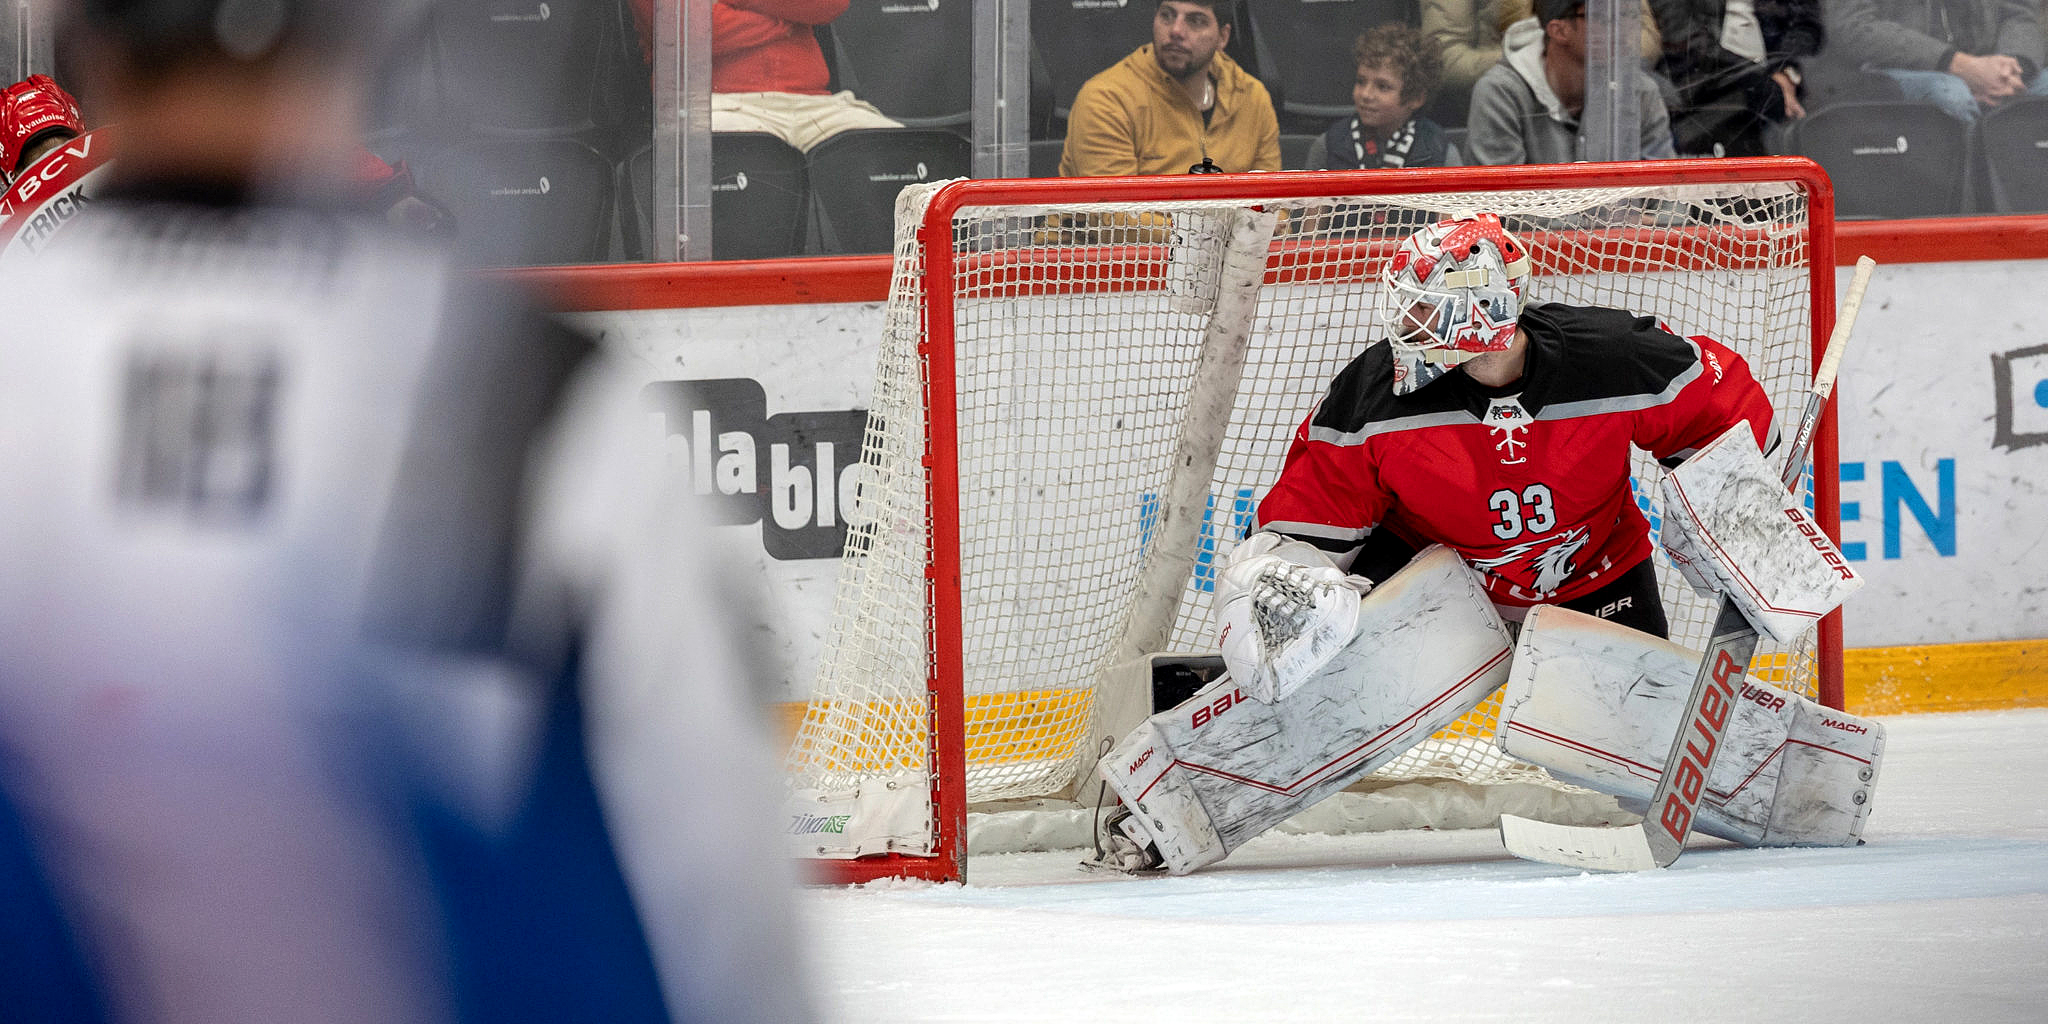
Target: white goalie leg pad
1164, 805
1597, 704
1209, 775
1731, 526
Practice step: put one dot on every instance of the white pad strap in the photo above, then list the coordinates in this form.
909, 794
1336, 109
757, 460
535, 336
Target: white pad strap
1207, 776
1597, 705
1732, 527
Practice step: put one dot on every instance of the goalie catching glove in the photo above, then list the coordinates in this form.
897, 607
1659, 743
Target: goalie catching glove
1283, 610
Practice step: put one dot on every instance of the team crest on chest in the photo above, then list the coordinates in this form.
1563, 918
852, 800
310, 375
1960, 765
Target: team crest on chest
1538, 568
1510, 424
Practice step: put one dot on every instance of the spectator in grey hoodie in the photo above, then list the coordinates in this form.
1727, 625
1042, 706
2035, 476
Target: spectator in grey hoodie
1525, 109
1964, 56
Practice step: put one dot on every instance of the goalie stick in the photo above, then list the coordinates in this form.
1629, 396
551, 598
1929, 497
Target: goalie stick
1660, 837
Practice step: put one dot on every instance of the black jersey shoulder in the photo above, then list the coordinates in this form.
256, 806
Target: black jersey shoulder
1577, 354
1592, 353
1362, 394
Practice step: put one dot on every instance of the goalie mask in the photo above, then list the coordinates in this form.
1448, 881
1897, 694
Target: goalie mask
1452, 291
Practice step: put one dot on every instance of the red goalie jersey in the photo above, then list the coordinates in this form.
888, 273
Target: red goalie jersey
1529, 482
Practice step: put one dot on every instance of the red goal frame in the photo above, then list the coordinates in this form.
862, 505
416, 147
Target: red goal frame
937, 349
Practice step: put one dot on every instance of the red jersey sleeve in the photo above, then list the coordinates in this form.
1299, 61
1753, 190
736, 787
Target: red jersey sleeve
1722, 394
1328, 491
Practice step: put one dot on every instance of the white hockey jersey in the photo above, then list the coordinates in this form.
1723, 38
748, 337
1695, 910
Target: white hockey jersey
266, 470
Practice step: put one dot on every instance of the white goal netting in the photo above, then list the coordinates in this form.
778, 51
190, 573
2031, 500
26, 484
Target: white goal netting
1085, 345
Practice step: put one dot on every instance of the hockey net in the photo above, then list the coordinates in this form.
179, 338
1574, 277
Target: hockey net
1084, 388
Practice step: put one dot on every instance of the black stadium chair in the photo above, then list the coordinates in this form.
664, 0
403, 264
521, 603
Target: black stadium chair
760, 200
538, 67
1077, 39
1045, 157
524, 202
636, 204
1888, 159
1294, 151
856, 175
2014, 140
908, 58
1304, 48
1461, 151
760, 197
401, 89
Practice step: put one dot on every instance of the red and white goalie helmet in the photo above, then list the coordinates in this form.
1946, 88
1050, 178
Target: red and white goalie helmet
1453, 290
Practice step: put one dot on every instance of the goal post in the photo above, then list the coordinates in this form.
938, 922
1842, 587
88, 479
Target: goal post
1084, 387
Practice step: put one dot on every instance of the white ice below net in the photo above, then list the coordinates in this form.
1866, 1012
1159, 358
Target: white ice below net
1941, 917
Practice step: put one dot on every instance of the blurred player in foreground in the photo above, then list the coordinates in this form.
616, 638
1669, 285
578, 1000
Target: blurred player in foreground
1494, 437
354, 664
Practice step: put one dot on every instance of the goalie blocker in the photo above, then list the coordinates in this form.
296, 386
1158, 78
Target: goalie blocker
1598, 705
1732, 528
1205, 777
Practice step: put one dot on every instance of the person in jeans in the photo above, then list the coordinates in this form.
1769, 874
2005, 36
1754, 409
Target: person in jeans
1964, 56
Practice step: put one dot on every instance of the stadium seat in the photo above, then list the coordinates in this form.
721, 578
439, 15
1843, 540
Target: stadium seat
909, 59
524, 202
636, 204
856, 175
1304, 46
2014, 140
759, 199
1294, 151
1831, 79
1888, 159
401, 90
1045, 157
1079, 38
528, 67
1461, 152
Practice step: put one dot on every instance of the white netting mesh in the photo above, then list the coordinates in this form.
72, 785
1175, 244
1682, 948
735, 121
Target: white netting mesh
1077, 333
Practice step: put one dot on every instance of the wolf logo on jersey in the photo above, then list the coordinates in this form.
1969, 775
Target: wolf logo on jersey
1546, 564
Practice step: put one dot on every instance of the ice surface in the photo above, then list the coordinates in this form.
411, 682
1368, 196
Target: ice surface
1941, 915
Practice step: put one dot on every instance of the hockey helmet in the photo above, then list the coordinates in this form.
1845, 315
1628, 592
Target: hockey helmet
1453, 290
30, 109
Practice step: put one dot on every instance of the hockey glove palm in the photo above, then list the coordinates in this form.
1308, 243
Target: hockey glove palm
1278, 620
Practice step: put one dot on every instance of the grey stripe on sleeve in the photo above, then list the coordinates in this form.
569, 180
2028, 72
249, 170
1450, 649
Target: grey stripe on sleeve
1351, 438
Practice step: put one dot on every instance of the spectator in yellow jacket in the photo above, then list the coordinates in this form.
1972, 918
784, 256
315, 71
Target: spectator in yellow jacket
1175, 103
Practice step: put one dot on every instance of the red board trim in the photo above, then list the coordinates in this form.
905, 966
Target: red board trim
821, 279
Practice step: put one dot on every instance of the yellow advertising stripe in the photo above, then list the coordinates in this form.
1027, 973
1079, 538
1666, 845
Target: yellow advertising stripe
1030, 726
1002, 728
1945, 677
